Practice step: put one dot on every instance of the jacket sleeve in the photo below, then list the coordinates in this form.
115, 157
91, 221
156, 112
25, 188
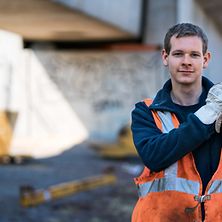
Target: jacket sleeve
160, 150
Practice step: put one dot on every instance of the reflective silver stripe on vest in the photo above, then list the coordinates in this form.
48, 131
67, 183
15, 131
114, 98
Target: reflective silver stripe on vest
216, 187
166, 120
167, 184
170, 182
167, 125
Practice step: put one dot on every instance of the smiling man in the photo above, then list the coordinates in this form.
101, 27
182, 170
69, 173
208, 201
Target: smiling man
176, 137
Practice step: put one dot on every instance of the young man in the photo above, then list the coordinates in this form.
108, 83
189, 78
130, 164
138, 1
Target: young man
177, 136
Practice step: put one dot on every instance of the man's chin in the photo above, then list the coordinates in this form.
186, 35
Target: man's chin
186, 81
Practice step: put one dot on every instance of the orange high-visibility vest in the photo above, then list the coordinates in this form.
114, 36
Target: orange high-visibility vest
175, 193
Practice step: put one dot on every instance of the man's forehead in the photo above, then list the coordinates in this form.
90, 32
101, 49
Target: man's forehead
186, 42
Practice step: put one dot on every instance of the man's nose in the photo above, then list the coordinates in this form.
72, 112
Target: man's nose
186, 60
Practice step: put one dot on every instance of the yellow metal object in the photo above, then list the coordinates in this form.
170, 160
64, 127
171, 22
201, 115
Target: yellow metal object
7, 123
31, 197
123, 148
5, 133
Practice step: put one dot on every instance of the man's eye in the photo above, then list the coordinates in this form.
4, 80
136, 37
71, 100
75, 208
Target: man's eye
195, 55
177, 54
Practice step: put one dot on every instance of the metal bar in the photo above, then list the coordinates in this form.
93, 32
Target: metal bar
31, 197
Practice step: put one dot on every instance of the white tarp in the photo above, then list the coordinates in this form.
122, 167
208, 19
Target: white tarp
46, 125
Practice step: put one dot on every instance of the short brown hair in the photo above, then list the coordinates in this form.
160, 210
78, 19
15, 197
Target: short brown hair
182, 30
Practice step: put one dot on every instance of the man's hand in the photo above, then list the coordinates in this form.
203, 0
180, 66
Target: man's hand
212, 111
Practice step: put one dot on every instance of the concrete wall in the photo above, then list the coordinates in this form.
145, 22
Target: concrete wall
124, 14
63, 97
190, 11
102, 87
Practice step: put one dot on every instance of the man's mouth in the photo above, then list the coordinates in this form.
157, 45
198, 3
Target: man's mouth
186, 71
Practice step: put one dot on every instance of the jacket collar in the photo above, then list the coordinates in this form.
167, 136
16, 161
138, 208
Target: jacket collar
163, 101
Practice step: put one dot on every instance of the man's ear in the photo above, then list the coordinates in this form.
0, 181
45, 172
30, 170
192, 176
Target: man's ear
164, 57
207, 58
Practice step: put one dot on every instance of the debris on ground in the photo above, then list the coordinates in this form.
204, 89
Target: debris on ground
108, 203
122, 148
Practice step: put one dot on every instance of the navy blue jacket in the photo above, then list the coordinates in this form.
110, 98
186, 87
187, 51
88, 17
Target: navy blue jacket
159, 150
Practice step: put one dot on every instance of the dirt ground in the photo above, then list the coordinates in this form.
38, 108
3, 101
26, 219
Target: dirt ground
104, 204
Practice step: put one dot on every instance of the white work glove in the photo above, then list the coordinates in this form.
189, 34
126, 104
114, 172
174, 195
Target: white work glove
212, 111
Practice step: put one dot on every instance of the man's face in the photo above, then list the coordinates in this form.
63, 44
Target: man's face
186, 60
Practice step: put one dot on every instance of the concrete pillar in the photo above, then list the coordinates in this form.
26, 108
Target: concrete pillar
161, 14
191, 11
